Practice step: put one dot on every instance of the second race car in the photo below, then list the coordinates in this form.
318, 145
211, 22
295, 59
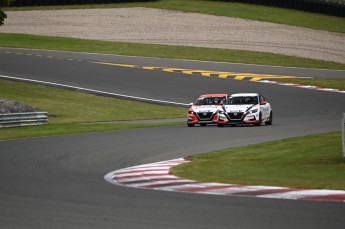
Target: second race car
245, 108
205, 109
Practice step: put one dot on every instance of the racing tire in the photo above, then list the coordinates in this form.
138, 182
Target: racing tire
220, 125
260, 120
270, 119
190, 124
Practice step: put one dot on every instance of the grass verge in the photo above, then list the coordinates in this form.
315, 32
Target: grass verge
68, 128
69, 109
229, 9
306, 162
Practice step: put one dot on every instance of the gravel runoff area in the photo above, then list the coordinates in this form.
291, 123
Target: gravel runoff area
156, 26
9, 106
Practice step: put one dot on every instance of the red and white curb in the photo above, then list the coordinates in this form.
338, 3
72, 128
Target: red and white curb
156, 176
303, 86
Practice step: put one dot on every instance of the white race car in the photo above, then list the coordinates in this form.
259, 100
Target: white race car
245, 108
205, 109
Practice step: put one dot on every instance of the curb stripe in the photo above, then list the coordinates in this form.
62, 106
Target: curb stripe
303, 86
202, 189
168, 184
115, 177
206, 73
141, 178
143, 170
145, 180
156, 176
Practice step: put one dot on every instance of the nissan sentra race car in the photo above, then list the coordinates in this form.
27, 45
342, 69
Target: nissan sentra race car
204, 110
245, 108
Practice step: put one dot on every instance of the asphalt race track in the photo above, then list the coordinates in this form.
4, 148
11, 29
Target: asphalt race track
57, 182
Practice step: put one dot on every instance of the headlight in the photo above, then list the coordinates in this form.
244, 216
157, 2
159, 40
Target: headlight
253, 111
190, 112
221, 112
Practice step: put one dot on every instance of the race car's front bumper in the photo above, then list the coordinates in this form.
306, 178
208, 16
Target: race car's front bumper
196, 118
238, 118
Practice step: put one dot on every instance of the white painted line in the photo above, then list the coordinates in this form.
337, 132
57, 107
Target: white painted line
239, 189
300, 194
94, 91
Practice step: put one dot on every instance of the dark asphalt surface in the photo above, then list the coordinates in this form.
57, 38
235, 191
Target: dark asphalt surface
57, 182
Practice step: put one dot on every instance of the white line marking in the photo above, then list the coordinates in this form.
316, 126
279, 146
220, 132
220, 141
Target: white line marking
302, 194
94, 91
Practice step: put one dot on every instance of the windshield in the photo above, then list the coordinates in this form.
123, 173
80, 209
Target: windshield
241, 100
210, 101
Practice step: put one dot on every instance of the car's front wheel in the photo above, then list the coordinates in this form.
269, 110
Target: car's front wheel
190, 124
270, 119
260, 120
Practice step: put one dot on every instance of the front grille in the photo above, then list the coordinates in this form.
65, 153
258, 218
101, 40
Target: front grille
235, 115
205, 116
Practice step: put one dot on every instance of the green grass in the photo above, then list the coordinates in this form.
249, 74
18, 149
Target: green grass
69, 109
239, 10
68, 128
306, 162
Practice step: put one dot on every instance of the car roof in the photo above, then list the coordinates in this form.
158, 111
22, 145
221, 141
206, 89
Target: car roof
212, 95
244, 94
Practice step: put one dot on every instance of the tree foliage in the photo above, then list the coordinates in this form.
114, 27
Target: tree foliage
2, 17
2, 13
6, 2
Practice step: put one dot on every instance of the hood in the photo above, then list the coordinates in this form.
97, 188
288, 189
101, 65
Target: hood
205, 108
238, 108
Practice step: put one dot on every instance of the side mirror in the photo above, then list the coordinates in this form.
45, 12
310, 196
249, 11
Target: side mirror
263, 102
